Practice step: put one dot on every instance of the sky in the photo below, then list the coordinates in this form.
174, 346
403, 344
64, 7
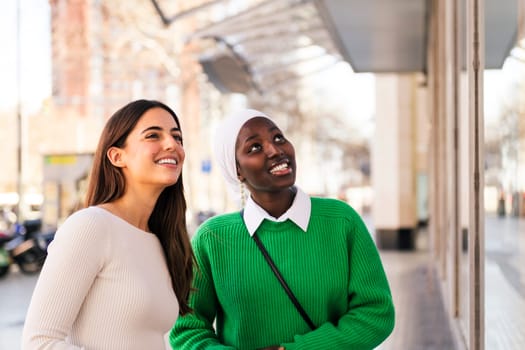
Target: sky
35, 53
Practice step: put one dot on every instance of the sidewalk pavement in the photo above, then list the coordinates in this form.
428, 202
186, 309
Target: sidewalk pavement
15, 292
421, 321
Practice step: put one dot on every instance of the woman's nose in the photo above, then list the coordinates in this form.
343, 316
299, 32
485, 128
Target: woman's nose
170, 143
273, 150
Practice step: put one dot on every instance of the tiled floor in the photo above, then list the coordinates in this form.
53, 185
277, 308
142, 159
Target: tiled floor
421, 322
505, 283
15, 293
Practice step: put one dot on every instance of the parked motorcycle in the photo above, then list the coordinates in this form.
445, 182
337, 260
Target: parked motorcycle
5, 260
7, 219
27, 247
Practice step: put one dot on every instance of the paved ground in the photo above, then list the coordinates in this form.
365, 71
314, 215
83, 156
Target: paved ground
421, 322
15, 293
505, 283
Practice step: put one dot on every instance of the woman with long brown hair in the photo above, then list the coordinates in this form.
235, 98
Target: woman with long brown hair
118, 272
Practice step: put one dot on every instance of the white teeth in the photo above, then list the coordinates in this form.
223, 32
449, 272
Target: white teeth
280, 167
167, 161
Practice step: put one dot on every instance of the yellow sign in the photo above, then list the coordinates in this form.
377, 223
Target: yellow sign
60, 159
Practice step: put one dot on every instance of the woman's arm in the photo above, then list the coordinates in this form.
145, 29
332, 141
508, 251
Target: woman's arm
195, 331
73, 261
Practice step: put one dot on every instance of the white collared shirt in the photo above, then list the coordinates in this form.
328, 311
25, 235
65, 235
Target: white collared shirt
299, 213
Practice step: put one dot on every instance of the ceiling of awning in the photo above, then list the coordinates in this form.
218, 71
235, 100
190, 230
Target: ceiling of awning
269, 43
391, 36
273, 43
379, 35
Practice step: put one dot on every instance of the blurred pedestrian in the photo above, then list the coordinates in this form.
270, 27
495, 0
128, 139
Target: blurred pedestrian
118, 272
288, 271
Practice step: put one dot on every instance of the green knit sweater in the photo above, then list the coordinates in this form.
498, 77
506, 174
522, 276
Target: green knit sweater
334, 270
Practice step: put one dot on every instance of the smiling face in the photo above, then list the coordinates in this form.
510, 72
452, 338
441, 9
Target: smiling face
265, 158
153, 152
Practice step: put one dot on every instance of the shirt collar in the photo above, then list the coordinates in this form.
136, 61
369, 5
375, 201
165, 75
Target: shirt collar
299, 213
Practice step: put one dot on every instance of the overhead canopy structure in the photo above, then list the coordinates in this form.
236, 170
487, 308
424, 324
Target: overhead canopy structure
267, 45
391, 36
277, 41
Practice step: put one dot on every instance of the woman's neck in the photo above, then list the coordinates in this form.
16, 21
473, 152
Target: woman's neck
276, 203
134, 212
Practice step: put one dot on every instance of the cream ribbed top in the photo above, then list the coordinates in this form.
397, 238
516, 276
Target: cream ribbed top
104, 285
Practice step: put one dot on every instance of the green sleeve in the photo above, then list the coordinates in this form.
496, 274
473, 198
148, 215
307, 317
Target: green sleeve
370, 317
195, 330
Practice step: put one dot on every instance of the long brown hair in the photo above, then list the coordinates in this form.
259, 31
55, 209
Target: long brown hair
168, 219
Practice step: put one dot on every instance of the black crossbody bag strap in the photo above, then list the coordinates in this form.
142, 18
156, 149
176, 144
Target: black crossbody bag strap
283, 282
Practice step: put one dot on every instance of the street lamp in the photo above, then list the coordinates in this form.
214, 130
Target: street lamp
18, 114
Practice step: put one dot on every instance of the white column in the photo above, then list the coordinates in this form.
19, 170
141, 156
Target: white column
393, 165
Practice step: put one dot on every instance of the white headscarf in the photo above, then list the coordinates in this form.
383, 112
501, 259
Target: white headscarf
224, 147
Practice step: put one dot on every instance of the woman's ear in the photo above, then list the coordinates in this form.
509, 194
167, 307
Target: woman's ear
239, 176
114, 155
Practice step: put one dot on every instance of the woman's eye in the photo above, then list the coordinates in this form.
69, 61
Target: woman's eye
279, 138
178, 138
152, 136
254, 148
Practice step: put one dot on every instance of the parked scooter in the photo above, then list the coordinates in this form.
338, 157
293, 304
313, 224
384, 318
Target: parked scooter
27, 246
7, 219
5, 259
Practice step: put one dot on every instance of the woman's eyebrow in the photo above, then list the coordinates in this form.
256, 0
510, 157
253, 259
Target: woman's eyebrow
270, 129
158, 128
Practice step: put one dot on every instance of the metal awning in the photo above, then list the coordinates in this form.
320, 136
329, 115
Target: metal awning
275, 42
269, 44
391, 36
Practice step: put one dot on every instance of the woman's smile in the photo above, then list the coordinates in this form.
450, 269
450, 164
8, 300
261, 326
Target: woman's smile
281, 168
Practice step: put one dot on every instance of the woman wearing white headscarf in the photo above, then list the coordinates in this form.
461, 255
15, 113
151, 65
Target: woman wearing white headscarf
327, 288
